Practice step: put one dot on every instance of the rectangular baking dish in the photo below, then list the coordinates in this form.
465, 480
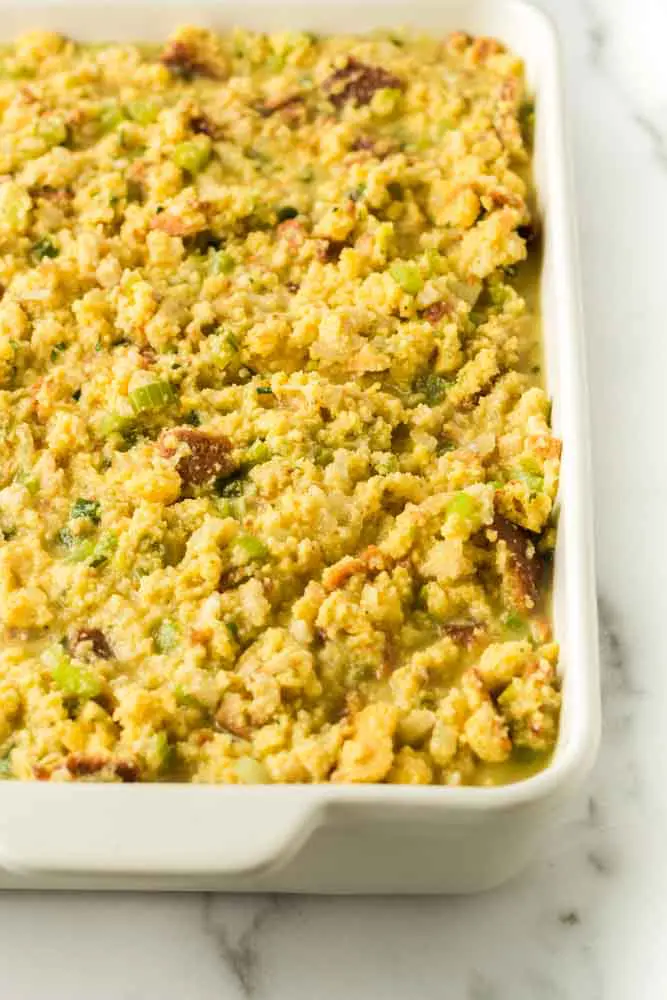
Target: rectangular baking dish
331, 838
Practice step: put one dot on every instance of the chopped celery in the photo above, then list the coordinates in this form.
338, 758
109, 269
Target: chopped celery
73, 679
462, 504
257, 453
435, 261
143, 112
164, 751
322, 456
499, 293
234, 507
166, 636
109, 117
52, 130
115, 423
31, 483
222, 262
253, 547
387, 464
385, 100
406, 274
534, 482
79, 551
153, 396
193, 156
184, 698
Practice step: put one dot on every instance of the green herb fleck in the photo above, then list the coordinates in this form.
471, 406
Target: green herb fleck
434, 388
58, 350
286, 212
44, 247
86, 508
515, 623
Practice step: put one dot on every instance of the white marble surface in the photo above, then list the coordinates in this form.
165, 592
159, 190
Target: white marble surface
588, 921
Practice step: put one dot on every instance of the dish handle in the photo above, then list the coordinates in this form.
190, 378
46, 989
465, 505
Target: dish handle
151, 829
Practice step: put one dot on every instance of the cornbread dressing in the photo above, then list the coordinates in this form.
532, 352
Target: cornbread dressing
277, 476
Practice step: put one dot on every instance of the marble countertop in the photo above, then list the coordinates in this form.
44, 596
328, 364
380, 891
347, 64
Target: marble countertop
587, 921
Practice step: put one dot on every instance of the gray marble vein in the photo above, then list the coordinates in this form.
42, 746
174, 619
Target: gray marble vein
595, 31
236, 938
646, 107
656, 135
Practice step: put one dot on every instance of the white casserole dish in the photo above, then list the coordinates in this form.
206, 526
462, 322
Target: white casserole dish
333, 838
